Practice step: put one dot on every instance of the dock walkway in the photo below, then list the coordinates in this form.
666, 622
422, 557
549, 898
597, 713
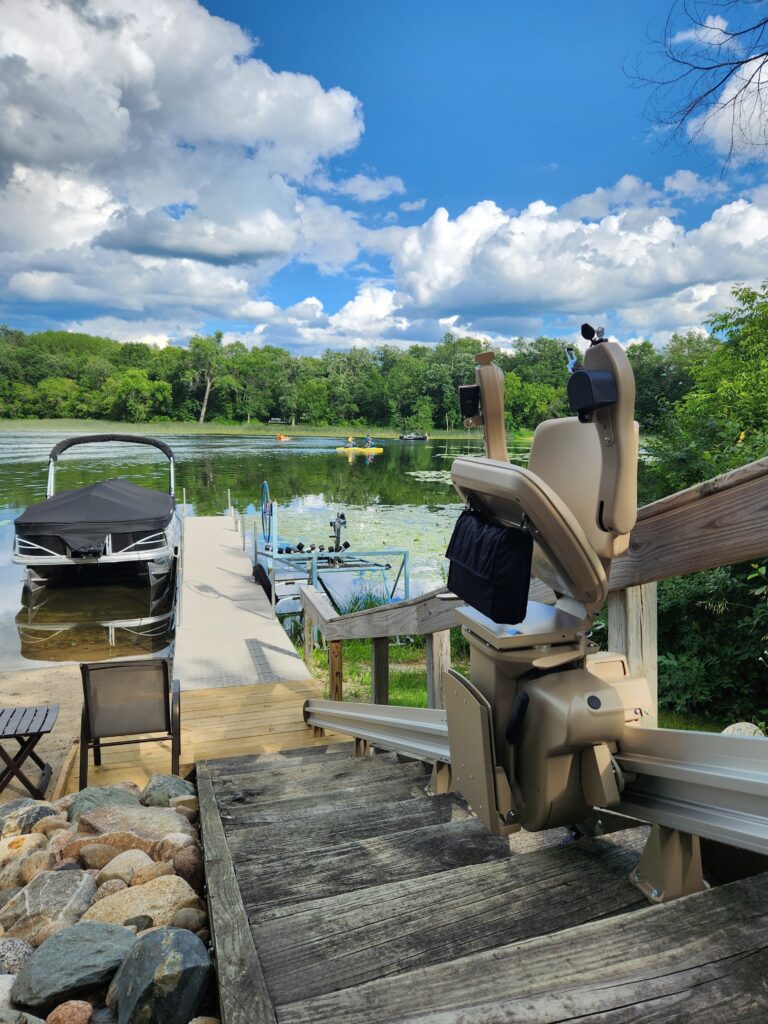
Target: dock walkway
340, 893
243, 684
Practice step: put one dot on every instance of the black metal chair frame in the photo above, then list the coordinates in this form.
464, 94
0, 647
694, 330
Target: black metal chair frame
172, 707
27, 726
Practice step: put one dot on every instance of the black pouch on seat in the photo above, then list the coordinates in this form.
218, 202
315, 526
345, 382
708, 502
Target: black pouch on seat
490, 567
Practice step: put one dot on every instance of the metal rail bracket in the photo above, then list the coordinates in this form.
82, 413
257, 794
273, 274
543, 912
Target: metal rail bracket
670, 866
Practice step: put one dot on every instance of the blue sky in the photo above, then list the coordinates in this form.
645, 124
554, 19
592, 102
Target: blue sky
365, 173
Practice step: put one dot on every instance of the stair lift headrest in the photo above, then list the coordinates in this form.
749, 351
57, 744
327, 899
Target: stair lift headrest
579, 492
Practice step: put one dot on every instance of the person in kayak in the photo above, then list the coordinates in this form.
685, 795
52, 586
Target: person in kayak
368, 442
350, 442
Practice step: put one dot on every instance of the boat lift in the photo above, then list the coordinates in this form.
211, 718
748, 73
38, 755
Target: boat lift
293, 565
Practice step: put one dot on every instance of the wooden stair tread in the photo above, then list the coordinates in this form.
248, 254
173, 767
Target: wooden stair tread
347, 940
702, 958
297, 833
266, 883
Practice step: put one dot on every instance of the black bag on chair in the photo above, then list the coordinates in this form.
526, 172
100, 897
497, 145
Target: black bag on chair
490, 567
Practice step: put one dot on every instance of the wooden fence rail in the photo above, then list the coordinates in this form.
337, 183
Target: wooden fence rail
719, 522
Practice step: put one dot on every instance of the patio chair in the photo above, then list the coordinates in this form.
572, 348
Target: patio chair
26, 726
128, 698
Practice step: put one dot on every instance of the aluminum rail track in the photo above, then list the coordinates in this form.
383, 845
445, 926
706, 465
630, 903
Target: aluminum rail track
705, 784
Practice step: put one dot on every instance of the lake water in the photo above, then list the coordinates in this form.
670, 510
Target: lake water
402, 498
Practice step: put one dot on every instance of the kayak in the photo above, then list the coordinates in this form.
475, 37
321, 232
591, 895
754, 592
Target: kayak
360, 451
282, 437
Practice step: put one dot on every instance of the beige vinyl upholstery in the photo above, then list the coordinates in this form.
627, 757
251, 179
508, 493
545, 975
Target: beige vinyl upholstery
579, 492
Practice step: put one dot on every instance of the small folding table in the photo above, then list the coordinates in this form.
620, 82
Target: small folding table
27, 726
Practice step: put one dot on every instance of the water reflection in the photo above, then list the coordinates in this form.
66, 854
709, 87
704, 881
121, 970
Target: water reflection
96, 619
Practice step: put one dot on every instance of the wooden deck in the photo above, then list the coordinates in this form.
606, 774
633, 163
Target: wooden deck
340, 893
214, 723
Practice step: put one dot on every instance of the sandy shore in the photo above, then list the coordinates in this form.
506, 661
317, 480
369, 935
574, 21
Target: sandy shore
51, 685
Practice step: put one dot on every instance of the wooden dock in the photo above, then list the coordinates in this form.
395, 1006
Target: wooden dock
340, 893
243, 684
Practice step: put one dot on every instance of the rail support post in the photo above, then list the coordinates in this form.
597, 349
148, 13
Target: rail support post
632, 622
380, 670
670, 866
335, 670
309, 642
438, 661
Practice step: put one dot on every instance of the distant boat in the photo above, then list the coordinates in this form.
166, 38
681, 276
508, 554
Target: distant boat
414, 437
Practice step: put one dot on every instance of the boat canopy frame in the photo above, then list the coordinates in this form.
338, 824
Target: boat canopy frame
62, 446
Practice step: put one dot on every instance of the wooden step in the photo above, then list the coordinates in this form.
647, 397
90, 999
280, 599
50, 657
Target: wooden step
226, 767
297, 833
267, 882
699, 959
347, 940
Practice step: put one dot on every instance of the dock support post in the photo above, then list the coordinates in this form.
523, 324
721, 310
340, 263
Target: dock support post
632, 622
335, 670
438, 661
380, 670
309, 642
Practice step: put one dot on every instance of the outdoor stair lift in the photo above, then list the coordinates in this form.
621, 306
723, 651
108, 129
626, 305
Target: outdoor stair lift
547, 730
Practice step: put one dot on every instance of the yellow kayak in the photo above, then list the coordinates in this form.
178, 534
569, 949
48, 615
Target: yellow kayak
360, 451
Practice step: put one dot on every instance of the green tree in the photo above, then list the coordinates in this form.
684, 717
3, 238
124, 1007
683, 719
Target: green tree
206, 358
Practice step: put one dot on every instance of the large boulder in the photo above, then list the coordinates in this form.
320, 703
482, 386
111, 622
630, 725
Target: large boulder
124, 866
162, 979
10, 812
161, 789
71, 963
31, 815
18, 1017
159, 899
91, 797
55, 897
148, 822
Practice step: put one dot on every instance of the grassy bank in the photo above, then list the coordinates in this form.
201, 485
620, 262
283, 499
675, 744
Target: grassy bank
408, 677
73, 427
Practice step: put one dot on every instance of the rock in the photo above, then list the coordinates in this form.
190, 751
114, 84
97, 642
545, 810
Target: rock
6, 984
140, 923
159, 899
96, 855
49, 930
124, 866
189, 801
50, 823
186, 812
74, 1011
63, 804
157, 869
54, 896
205, 1020
204, 935
188, 864
103, 1016
743, 729
163, 978
149, 822
93, 797
9, 812
161, 789
71, 963
12, 850
14, 953
31, 816
18, 1017
69, 864
119, 841
34, 864
173, 843
192, 920
6, 895
109, 889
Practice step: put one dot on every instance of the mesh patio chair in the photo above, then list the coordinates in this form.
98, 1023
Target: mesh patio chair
128, 698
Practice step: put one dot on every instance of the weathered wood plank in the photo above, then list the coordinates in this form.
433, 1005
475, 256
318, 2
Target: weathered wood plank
379, 793
348, 940
380, 670
310, 780
225, 767
438, 648
335, 670
425, 613
365, 862
718, 522
704, 953
632, 631
243, 994
341, 825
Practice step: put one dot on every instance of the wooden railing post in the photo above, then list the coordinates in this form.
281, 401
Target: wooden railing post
309, 642
335, 670
438, 660
380, 670
632, 621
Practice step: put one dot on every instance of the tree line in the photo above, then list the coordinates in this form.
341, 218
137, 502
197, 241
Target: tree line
58, 374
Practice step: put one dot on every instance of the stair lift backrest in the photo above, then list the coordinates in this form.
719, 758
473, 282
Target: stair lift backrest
592, 466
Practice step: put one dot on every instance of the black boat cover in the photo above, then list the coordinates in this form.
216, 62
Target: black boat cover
84, 517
